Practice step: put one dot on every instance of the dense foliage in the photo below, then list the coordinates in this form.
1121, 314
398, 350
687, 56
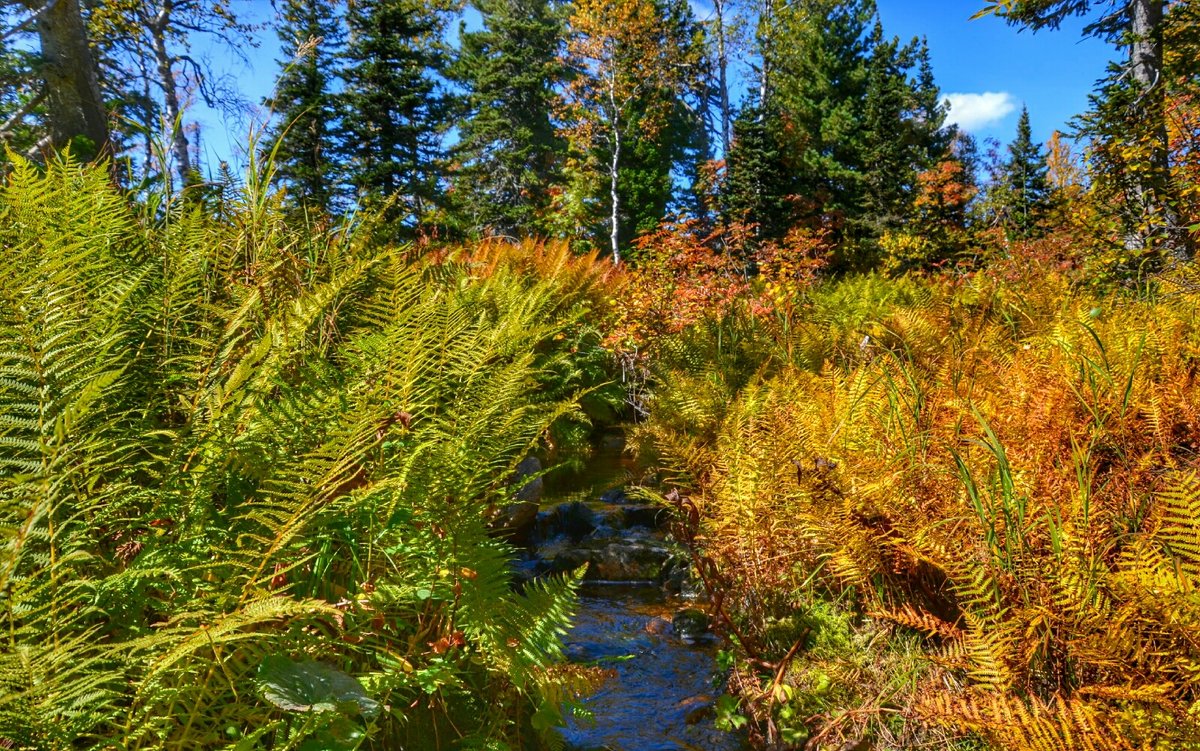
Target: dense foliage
956, 507
247, 474
925, 409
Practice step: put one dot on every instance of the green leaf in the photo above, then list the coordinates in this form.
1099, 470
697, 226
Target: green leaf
312, 687
546, 717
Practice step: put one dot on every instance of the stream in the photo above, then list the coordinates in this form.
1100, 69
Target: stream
662, 692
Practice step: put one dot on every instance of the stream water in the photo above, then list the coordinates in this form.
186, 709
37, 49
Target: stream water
661, 696
662, 691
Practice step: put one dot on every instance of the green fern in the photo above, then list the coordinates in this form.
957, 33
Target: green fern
217, 450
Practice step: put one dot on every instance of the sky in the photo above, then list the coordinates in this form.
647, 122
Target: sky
986, 69
989, 69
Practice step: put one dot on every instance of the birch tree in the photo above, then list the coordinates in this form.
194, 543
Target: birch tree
618, 65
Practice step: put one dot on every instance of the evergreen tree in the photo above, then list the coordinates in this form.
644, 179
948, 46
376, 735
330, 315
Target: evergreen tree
759, 187
308, 136
819, 83
396, 109
858, 118
1025, 185
889, 170
929, 113
509, 152
64, 92
903, 133
1130, 108
657, 167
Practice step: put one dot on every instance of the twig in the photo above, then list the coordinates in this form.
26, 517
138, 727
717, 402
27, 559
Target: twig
20, 114
33, 18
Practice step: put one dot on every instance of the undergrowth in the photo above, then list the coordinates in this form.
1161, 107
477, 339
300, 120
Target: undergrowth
251, 466
248, 468
958, 511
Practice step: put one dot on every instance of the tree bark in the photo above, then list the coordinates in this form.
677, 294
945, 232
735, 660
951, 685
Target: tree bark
1160, 220
766, 22
613, 171
166, 79
614, 167
77, 114
723, 76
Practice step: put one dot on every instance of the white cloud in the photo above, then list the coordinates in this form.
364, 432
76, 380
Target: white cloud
975, 111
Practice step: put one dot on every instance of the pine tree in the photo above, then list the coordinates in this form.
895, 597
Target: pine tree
819, 67
759, 187
1129, 107
890, 172
658, 166
903, 133
308, 136
1026, 187
858, 117
396, 109
509, 152
67, 77
929, 113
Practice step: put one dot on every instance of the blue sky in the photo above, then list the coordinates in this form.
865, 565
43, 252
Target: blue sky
1052, 72
986, 68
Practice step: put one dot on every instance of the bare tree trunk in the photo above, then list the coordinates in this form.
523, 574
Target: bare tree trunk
77, 113
166, 79
613, 171
766, 23
723, 76
614, 167
1159, 217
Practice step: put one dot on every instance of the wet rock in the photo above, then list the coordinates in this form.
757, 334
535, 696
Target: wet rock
574, 521
612, 442
695, 710
692, 588
690, 625
525, 570
657, 625
615, 496
531, 491
515, 520
650, 517
630, 557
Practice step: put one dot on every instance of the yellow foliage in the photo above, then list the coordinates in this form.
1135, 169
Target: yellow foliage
1006, 468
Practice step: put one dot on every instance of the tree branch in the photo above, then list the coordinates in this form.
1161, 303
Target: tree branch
24, 111
33, 18
38, 148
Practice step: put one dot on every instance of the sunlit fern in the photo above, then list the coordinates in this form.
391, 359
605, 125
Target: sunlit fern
227, 439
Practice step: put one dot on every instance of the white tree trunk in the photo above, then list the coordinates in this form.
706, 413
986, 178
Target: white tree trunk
723, 76
613, 171
614, 167
166, 80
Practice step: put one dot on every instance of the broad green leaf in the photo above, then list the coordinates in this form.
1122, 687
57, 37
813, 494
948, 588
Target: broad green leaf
312, 687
